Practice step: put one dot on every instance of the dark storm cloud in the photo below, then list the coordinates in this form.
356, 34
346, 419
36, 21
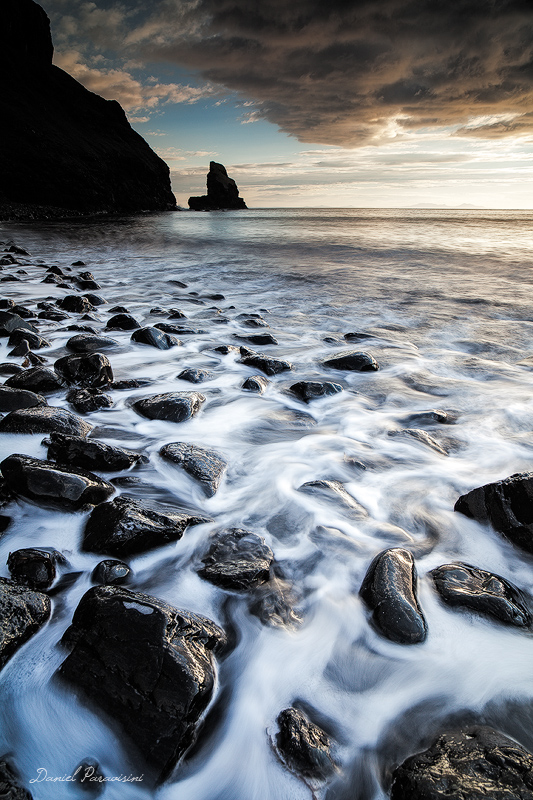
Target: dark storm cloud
339, 72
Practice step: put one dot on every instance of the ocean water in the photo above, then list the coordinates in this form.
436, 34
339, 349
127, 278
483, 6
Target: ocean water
445, 299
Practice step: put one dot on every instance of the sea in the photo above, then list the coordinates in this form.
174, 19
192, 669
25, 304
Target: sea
443, 301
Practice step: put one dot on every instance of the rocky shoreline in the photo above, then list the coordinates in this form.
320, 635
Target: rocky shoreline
153, 669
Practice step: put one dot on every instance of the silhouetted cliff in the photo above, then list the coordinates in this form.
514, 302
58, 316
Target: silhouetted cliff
63, 148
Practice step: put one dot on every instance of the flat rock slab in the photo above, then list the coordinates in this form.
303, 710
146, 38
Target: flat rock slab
312, 390
155, 338
205, 466
170, 406
124, 527
473, 764
302, 746
333, 492
146, 664
88, 370
22, 612
48, 483
507, 505
90, 343
12, 399
389, 590
36, 379
237, 559
267, 364
89, 453
44, 419
352, 361
483, 592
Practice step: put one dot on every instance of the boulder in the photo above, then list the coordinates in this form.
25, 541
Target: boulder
36, 379
33, 567
89, 343
483, 592
155, 338
352, 361
477, 763
125, 527
311, 390
205, 466
122, 322
10, 321
88, 370
35, 341
44, 419
302, 746
22, 612
193, 375
10, 786
87, 400
89, 453
256, 384
96, 299
389, 590
222, 192
51, 484
146, 664
267, 364
237, 559
507, 505
170, 406
12, 399
111, 572
75, 303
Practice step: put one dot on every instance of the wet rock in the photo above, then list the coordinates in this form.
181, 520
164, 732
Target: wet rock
155, 338
334, 492
389, 590
89, 453
37, 379
111, 572
9, 278
48, 483
420, 436
237, 559
176, 313
75, 303
124, 527
55, 316
80, 328
22, 612
129, 383
353, 361
6, 302
35, 341
483, 592
507, 505
193, 375
267, 364
87, 400
226, 349
10, 786
10, 322
170, 406
44, 419
122, 322
89, 343
88, 285
358, 336
88, 370
432, 417
256, 384
89, 777
168, 327
10, 369
22, 349
22, 311
254, 322
205, 466
273, 603
11, 399
34, 567
146, 664
476, 763
303, 747
32, 359
311, 390
96, 299
259, 339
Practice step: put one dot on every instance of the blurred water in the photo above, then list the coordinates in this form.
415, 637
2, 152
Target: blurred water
445, 298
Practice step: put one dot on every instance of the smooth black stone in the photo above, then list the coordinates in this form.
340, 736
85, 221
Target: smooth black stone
226, 349
89, 453
10, 369
35, 341
507, 505
119, 310
85, 276
178, 283
55, 316
158, 311
122, 322
6, 303
78, 264
89, 777
193, 375
44, 419
87, 400
22, 612
167, 327
88, 370
267, 364
10, 786
353, 361
170, 406
32, 359
9, 279
55, 270
48, 483
12, 399
206, 466
88, 343
237, 559
304, 747
176, 313
256, 384
389, 590
155, 337
88, 285
96, 299
256, 322
430, 417
22, 349
476, 763
81, 328
131, 383
334, 492
111, 572
33, 567
146, 664
10, 322
258, 338
22, 311
484, 592
358, 336
75, 303
311, 390
124, 527
51, 278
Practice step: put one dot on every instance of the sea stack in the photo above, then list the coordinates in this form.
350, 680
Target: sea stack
65, 151
222, 192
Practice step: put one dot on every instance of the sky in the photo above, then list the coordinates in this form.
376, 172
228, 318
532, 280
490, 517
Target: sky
344, 103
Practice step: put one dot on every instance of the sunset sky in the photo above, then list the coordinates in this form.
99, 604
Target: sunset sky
378, 103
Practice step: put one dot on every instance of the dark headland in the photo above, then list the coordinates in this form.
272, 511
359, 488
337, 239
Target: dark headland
65, 151
222, 192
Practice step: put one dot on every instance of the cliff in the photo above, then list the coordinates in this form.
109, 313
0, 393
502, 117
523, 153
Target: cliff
222, 192
63, 149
